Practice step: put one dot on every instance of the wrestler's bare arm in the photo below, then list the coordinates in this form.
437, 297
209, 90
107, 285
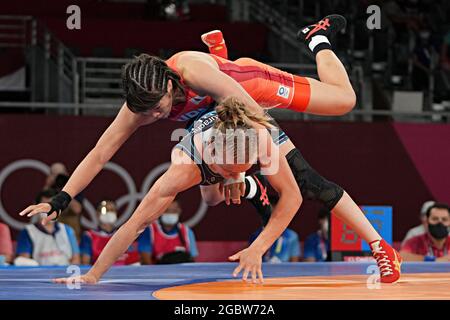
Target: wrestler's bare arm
181, 175
123, 126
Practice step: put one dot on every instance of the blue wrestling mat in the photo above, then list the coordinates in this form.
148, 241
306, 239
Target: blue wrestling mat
139, 282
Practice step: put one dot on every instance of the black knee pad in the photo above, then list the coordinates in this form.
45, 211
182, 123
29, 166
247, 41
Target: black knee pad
312, 185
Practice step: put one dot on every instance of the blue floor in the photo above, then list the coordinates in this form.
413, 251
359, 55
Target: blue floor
139, 282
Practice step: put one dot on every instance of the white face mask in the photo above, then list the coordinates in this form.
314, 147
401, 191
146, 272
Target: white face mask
170, 218
109, 217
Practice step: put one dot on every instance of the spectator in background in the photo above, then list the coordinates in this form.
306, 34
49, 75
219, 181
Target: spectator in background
286, 248
403, 15
396, 23
445, 64
93, 241
51, 245
317, 245
167, 240
56, 169
445, 52
422, 60
434, 245
57, 179
176, 9
6, 246
422, 228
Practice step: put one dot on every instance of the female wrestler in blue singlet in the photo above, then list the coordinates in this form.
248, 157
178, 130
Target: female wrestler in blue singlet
220, 145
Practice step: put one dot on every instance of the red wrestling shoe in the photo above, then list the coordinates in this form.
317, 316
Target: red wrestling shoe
388, 260
216, 44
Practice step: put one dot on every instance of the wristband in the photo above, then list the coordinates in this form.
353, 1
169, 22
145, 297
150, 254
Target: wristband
59, 203
238, 180
429, 258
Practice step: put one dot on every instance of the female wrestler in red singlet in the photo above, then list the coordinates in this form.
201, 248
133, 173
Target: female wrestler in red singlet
181, 87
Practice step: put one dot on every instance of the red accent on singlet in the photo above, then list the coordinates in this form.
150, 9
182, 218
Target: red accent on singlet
163, 243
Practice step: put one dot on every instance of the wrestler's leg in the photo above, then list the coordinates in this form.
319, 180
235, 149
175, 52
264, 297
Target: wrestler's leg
350, 213
315, 187
333, 94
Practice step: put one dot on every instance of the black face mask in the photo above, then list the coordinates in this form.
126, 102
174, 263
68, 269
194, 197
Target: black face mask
438, 230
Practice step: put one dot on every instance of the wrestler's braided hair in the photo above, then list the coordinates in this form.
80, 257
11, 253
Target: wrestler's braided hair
145, 81
233, 121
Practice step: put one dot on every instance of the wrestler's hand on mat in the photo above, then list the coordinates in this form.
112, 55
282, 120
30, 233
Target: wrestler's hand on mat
233, 192
38, 209
249, 261
85, 278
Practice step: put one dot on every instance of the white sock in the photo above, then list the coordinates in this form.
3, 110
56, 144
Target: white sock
315, 40
253, 187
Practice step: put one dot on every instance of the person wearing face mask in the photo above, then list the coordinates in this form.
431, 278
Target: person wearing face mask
53, 244
93, 241
317, 245
434, 245
167, 240
422, 228
6, 245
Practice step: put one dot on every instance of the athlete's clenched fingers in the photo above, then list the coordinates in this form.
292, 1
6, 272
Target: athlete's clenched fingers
226, 192
236, 193
242, 188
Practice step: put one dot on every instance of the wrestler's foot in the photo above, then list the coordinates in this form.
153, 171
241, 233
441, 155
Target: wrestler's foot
216, 43
317, 35
388, 260
327, 27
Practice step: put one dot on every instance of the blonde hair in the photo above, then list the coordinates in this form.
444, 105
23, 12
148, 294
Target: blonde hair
233, 114
237, 127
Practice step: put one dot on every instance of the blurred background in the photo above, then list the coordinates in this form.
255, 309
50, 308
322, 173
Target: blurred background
60, 89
